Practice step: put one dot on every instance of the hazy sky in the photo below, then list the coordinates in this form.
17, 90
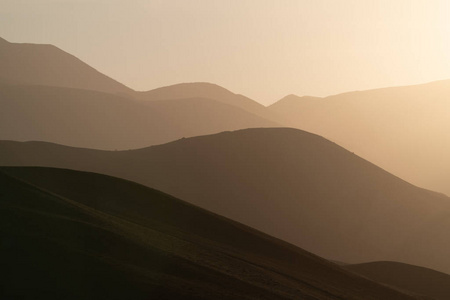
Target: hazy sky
263, 49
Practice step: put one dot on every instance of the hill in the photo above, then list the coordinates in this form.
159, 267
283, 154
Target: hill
288, 183
401, 129
88, 236
99, 120
37, 64
415, 279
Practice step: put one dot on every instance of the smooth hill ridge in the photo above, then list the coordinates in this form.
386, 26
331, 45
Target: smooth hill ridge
49, 95
99, 120
407, 277
201, 90
402, 129
90, 236
39, 64
288, 183
208, 91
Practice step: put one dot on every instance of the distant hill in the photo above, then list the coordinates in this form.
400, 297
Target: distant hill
402, 129
99, 120
37, 64
207, 91
407, 277
88, 236
49, 95
288, 183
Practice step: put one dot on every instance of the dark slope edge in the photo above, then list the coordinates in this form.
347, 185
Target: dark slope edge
99, 120
288, 183
406, 277
88, 236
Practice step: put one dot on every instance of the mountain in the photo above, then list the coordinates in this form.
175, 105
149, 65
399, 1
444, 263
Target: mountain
207, 91
401, 129
288, 183
49, 95
415, 279
99, 120
37, 64
89, 236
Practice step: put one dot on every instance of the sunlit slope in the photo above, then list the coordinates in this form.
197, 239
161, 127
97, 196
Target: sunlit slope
405, 130
88, 236
288, 183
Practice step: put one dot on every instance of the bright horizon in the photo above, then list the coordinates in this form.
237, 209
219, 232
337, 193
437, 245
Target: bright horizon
264, 50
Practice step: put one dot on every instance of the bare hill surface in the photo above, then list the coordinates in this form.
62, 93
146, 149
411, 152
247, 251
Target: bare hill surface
406, 277
288, 183
89, 236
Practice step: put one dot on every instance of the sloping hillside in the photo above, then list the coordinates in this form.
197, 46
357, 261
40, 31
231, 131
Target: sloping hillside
288, 183
88, 236
38, 64
411, 278
402, 129
98, 120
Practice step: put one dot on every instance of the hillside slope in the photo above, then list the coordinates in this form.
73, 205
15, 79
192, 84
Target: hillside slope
38, 64
88, 236
207, 91
404, 130
98, 120
407, 277
288, 183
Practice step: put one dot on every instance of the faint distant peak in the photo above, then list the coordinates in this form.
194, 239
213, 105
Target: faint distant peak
192, 86
294, 99
203, 90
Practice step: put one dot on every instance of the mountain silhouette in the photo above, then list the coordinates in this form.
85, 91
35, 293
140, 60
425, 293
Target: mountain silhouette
99, 120
38, 64
401, 129
89, 236
288, 183
415, 279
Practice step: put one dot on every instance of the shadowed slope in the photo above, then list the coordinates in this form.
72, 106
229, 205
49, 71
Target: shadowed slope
291, 184
89, 236
104, 121
402, 129
407, 277
49, 65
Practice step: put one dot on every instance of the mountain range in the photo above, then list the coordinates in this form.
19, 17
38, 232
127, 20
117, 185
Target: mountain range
401, 129
260, 197
288, 183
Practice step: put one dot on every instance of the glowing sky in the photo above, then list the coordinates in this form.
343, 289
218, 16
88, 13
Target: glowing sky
263, 49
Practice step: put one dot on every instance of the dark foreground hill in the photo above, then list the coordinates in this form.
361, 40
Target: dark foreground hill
74, 235
415, 279
288, 183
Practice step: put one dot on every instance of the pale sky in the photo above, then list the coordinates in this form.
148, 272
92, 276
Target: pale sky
264, 49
